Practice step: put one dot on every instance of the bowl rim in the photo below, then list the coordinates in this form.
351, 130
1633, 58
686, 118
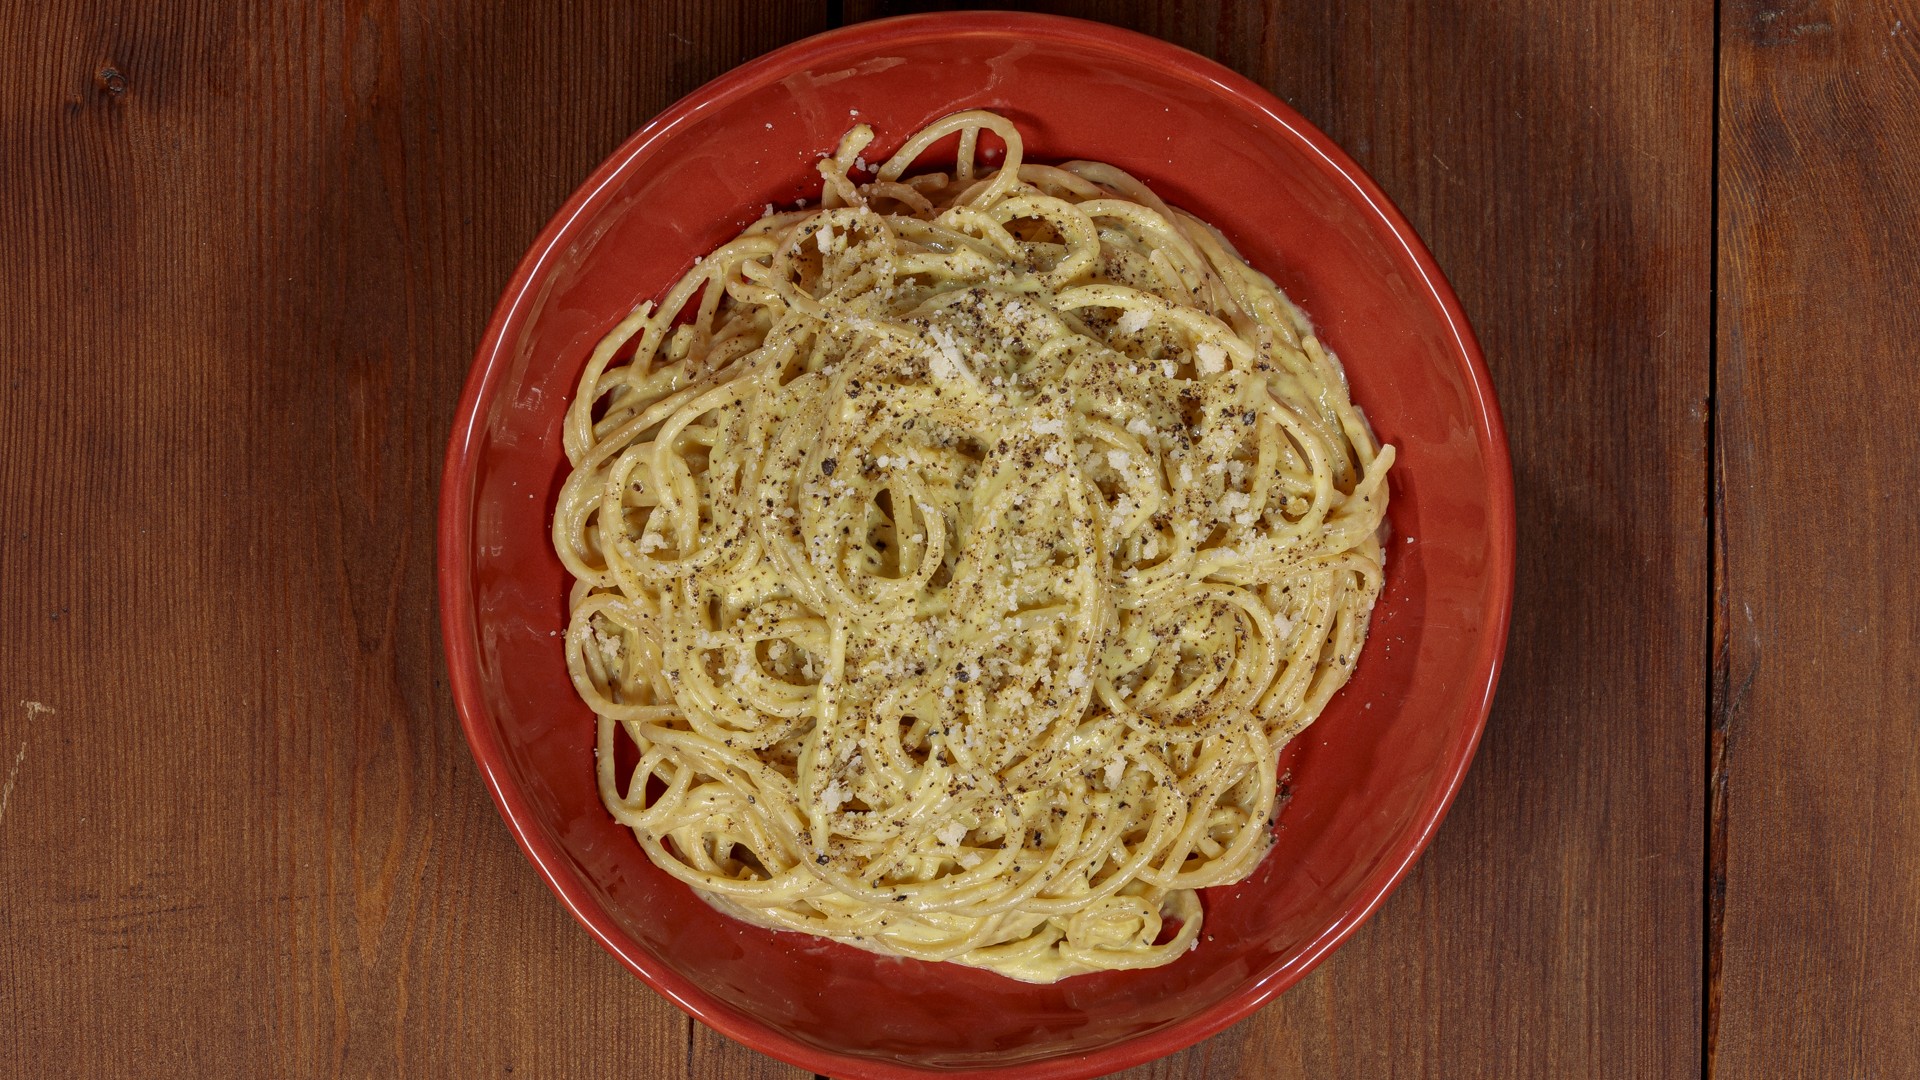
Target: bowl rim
459, 629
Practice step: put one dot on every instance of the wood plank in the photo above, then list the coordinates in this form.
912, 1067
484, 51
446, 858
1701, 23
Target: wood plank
1557, 159
249, 256
1819, 463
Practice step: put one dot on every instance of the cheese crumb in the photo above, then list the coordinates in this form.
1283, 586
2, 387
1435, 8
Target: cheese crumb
946, 362
1213, 358
1134, 320
609, 647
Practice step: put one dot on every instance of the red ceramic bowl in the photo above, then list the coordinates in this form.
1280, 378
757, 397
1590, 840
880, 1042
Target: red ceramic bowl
1370, 780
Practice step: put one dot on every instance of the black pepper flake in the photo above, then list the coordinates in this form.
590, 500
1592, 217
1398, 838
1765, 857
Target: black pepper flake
827, 466
820, 860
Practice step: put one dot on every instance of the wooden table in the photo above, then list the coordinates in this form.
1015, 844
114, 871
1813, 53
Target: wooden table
245, 257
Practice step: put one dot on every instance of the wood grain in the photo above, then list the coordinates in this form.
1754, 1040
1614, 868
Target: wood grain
248, 256
1557, 160
1820, 461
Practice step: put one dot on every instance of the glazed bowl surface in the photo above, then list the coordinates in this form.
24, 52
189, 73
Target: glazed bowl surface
1369, 782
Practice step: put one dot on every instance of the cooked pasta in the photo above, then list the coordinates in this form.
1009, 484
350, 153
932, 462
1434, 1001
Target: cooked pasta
958, 555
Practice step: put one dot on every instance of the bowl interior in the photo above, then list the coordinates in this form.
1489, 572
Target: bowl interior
1368, 781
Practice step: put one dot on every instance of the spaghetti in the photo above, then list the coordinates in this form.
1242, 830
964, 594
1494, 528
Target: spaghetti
958, 556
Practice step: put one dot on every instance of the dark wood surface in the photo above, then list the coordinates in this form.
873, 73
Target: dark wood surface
1817, 681
247, 257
